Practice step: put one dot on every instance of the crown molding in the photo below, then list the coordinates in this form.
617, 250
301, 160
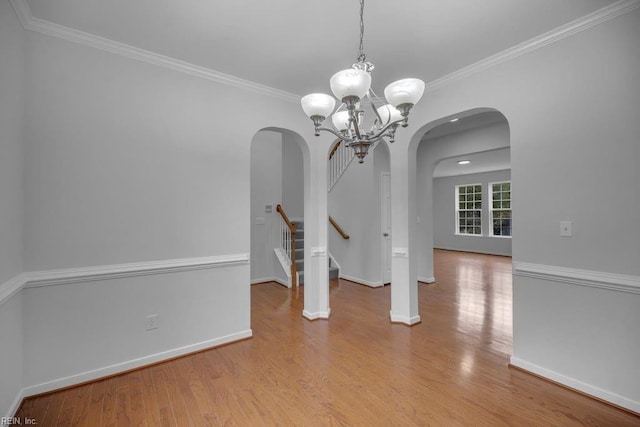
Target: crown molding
45, 27
574, 276
32, 23
599, 16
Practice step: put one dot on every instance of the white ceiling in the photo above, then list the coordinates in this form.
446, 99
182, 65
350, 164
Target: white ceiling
296, 46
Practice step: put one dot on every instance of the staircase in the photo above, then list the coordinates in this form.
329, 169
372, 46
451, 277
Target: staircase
333, 271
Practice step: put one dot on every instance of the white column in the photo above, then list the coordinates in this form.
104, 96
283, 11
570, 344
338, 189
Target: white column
404, 281
316, 252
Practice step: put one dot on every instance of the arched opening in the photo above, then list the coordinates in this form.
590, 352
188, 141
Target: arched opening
355, 203
481, 136
279, 177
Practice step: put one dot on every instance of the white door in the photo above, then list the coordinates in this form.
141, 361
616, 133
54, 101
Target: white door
386, 227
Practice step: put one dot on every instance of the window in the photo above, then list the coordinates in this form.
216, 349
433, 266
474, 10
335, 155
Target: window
500, 212
469, 209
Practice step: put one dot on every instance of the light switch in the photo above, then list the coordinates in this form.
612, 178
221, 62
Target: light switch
566, 228
260, 220
268, 208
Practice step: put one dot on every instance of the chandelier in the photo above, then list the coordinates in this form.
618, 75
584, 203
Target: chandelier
352, 87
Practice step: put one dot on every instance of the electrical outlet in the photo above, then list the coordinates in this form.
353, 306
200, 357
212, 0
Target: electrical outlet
151, 322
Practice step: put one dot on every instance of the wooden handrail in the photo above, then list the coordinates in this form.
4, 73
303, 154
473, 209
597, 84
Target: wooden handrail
284, 216
335, 148
338, 228
292, 229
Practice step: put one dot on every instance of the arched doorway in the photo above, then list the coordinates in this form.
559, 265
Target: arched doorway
279, 177
481, 135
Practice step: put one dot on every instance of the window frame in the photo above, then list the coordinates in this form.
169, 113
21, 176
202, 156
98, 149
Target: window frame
492, 209
458, 210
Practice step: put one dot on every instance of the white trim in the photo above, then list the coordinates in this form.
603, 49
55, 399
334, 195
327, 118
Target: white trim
427, 279
23, 11
574, 276
492, 209
376, 284
404, 319
577, 385
59, 31
12, 287
285, 263
316, 315
599, 16
84, 274
399, 252
335, 263
35, 279
270, 279
457, 209
133, 364
386, 242
13, 409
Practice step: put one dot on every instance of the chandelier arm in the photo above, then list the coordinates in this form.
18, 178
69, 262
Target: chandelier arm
373, 107
388, 125
340, 136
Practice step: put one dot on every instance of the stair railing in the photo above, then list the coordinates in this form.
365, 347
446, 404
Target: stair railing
338, 228
340, 158
288, 242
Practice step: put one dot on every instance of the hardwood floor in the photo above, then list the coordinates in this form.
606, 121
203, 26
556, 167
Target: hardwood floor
355, 369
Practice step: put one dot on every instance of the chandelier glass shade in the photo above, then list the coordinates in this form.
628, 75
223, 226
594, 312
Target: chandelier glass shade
352, 88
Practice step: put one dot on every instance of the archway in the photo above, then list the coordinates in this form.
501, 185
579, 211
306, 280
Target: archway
279, 172
355, 203
481, 130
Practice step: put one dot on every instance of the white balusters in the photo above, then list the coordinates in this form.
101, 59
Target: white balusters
339, 162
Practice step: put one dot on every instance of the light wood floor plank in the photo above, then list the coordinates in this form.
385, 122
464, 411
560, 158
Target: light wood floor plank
355, 369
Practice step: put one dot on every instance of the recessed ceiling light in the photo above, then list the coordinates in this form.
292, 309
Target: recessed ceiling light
464, 162
454, 120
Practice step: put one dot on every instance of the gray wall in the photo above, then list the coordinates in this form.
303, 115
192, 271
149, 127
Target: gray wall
11, 200
112, 161
572, 108
444, 215
292, 177
355, 204
11, 136
266, 189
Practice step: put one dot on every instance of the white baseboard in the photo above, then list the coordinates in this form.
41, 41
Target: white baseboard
362, 281
270, 279
285, 263
316, 315
577, 385
404, 319
14, 406
131, 364
427, 279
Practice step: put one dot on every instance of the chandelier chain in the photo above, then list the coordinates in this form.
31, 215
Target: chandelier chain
362, 57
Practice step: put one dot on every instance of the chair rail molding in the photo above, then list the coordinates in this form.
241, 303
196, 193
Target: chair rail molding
574, 276
36, 279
